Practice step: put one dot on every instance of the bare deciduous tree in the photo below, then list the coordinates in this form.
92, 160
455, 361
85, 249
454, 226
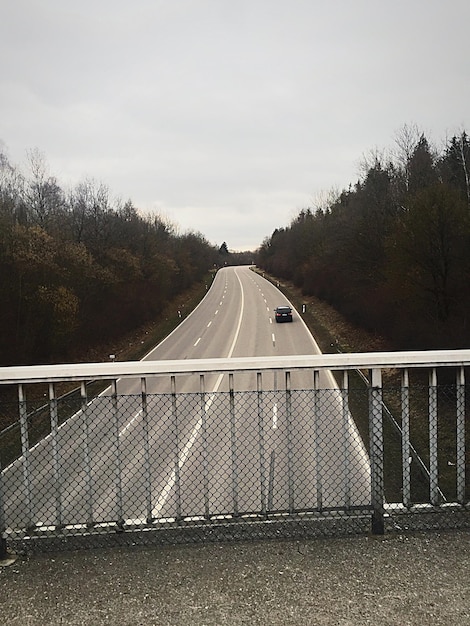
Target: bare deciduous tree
406, 140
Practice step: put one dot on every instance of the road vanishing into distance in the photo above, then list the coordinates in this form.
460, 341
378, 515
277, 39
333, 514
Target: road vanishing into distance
236, 319
201, 455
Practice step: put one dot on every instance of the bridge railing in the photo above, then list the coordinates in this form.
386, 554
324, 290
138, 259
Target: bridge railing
231, 448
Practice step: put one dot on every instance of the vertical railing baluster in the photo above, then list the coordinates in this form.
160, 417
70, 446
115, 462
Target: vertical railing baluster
26, 456
53, 412
290, 477
118, 477
233, 446
460, 459
86, 454
346, 440
316, 438
272, 463
205, 452
3, 526
272, 454
405, 438
147, 467
262, 469
376, 452
174, 410
433, 443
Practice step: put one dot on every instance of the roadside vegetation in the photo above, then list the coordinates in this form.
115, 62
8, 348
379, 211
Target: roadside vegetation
80, 270
392, 252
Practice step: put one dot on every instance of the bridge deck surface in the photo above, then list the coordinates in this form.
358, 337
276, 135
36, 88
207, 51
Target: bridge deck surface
400, 579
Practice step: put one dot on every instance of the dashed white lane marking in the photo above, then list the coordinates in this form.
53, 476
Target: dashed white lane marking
127, 426
274, 338
216, 311
139, 413
184, 454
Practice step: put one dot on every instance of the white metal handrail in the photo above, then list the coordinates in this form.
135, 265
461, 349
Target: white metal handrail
130, 369
374, 363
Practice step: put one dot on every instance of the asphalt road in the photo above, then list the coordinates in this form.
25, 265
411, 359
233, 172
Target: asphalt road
209, 454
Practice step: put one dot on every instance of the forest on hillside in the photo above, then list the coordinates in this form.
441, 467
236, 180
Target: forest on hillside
78, 268
391, 253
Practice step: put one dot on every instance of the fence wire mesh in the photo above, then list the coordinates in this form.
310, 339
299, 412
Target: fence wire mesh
173, 467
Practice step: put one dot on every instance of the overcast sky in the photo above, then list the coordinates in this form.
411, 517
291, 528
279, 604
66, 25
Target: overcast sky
226, 116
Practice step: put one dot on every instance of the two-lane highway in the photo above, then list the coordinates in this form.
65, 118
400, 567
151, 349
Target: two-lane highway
236, 318
194, 454
304, 455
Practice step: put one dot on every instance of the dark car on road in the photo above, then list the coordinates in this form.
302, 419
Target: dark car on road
283, 314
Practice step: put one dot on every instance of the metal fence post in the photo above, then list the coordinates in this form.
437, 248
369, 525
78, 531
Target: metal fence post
376, 452
433, 450
205, 454
317, 442
147, 465
54, 415
233, 446
346, 440
119, 511
405, 438
174, 411
3, 541
87, 456
290, 478
461, 436
259, 394
26, 455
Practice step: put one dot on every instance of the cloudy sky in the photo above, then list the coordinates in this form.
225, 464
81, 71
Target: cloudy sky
227, 116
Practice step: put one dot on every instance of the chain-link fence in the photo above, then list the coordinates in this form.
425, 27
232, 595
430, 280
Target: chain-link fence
269, 462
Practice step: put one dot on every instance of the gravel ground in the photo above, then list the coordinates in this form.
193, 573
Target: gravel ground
400, 579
